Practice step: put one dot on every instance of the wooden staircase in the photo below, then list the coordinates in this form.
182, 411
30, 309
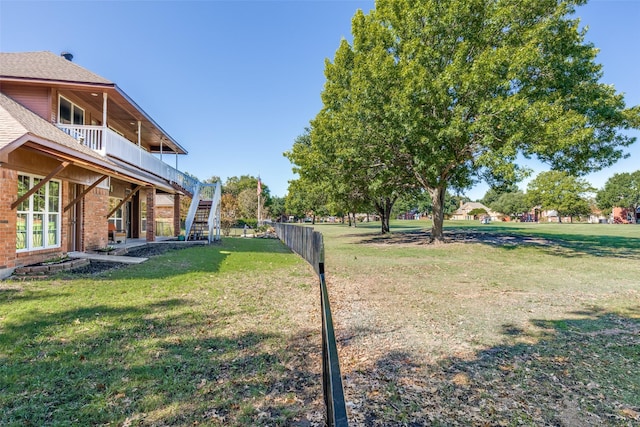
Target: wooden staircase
200, 226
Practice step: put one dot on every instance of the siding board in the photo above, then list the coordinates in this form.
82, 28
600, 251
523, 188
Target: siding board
36, 99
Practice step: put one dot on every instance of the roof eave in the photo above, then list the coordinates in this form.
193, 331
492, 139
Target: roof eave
148, 117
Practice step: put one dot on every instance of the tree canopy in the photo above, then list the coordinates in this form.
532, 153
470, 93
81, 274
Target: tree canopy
439, 95
621, 190
512, 204
559, 191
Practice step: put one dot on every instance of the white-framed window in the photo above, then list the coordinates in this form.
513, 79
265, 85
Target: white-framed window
69, 113
38, 224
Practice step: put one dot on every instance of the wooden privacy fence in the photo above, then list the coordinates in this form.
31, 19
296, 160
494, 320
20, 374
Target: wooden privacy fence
310, 246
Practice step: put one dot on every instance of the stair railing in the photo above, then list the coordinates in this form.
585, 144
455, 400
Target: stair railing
214, 215
193, 208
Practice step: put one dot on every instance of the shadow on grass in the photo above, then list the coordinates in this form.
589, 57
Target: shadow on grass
155, 364
561, 244
576, 372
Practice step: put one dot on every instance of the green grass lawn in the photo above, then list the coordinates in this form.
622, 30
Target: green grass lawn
204, 335
510, 324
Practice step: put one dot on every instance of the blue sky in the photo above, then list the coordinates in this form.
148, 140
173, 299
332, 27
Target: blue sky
235, 82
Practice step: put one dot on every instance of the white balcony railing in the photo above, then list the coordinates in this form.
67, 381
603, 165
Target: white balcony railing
109, 143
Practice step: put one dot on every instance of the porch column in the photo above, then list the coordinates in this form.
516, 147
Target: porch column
139, 143
176, 215
151, 214
104, 110
103, 143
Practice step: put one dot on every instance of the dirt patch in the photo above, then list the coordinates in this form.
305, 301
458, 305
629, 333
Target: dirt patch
456, 334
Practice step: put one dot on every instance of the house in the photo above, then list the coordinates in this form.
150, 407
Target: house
625, 215
77, 157
463, 212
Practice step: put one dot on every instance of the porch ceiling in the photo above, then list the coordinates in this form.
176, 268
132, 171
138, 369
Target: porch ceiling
124, 117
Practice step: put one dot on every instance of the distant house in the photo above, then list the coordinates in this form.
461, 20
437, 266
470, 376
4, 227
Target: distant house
625, 216
78, 158
463, 212
597, 217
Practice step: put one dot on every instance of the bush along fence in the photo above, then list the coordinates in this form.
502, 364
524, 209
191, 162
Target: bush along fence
309, 245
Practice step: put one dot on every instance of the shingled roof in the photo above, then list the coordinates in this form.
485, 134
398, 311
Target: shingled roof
46, 66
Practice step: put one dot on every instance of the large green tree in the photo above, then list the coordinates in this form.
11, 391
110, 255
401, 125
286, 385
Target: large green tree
244, 190
308, 193
277, 209
493, 194
621, 190
512, 204
353, 141
560, 191
463, 87
306, 198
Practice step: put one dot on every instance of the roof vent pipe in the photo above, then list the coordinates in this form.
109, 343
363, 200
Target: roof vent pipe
66, 55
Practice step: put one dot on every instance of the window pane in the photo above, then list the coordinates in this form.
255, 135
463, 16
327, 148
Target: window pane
54, 196
23, 187
78, 115
65, 111
39, 196
37, 238
21, 231
52, 227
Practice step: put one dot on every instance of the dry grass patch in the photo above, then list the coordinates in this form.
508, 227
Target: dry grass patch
492, 329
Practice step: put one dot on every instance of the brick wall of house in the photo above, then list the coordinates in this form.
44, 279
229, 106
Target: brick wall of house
8, 195
95, 231
151, 218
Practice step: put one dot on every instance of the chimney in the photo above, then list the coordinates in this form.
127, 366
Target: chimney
66, 55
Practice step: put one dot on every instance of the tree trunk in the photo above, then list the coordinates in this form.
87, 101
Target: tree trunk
386, 228
384, 207
437, 199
